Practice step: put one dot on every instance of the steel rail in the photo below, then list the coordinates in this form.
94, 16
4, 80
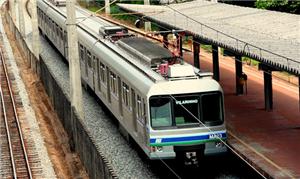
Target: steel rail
7, 130
16, 121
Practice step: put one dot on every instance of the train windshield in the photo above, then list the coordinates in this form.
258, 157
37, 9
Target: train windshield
161, 112
179, 111
186, 110
212, 111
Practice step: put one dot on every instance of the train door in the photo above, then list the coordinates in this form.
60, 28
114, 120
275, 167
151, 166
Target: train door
120, 96
96, 74
53, 36
47, 26
108, 85
82, 61
140, 115
66, 45
90, 68
144, 130
57, 37
61, 40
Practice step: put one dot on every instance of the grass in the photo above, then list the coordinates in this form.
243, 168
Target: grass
250, 61
207, 48
116, 10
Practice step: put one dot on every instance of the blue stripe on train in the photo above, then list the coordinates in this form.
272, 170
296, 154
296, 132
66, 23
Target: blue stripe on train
189, 138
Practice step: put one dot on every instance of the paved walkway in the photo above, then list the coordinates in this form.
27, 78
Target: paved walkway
270, 140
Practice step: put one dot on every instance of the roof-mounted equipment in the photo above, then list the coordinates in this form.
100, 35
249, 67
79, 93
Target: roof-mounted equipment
181, 70
148, 53
114, 32
59, 2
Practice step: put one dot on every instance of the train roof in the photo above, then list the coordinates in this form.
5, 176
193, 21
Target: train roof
131, 49
150, 52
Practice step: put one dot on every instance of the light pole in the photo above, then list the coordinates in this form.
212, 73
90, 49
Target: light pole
35, 33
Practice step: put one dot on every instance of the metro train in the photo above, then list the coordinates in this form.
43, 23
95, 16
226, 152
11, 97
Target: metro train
168, 107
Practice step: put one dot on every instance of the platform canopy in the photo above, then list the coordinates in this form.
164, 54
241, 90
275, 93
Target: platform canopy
268, 36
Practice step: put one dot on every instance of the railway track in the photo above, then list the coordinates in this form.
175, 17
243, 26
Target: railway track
16, 162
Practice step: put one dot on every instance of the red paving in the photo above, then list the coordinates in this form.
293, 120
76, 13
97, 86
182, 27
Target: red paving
269, 140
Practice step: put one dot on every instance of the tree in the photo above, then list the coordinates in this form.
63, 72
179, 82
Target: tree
292, 6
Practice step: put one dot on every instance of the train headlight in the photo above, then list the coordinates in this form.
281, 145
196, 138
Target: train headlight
219, 144
153, 149
157, 149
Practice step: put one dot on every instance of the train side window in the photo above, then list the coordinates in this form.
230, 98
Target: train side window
102, 73
81, 52
89, 59
94, 63
140, 105
144, 110
39, 13
61, 34
98, 67
125, 95
113, 83
52, 25
66, 38
49, 23
57, 30
41, 16
53, 30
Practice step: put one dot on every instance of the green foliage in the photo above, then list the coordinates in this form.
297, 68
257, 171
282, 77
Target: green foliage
292, 6
93, 8
245, 3
207, 48
114, 9
250, 61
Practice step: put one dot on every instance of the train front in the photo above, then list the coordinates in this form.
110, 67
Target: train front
186, 119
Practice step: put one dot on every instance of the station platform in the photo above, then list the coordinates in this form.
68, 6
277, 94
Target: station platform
268, 140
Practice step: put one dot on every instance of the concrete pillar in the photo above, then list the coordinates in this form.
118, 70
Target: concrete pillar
74, 66
12, 8
299, 90
216, 69
147, 23
107, 7
238, 74
179, 44
21, 17
268, 90
196, 50
35, 32
165, 40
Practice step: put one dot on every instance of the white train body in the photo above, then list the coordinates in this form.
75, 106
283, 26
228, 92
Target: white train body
151, 107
